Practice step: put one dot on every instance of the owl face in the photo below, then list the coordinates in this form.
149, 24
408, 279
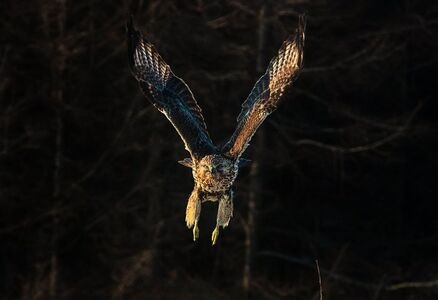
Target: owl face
215, 173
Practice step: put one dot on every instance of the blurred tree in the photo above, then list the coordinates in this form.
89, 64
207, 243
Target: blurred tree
345, 171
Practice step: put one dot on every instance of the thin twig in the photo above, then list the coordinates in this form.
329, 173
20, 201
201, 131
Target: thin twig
319, 279
413, 284
345, 112
379, 289
309, 263
107, 152
356, 149
348, 280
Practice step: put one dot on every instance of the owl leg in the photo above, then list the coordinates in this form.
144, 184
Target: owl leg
224, 214
193, 212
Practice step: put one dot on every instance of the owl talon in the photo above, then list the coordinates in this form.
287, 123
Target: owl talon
195, 231
215, 235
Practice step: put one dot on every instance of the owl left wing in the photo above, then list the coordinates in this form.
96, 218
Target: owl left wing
168, 93
266, 93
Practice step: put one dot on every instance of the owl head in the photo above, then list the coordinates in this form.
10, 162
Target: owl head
215, 172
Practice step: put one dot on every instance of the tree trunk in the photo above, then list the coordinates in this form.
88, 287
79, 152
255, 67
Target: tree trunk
256, 179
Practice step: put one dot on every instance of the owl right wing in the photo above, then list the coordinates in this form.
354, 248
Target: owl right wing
168, 93
268, 91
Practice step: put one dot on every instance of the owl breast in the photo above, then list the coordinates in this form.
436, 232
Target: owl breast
215, 173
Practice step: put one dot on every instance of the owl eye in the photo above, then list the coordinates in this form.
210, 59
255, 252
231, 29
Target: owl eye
222, 167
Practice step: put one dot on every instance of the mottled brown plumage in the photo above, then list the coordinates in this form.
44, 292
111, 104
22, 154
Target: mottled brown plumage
214, 169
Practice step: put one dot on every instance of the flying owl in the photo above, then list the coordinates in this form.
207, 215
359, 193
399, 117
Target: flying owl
214, 168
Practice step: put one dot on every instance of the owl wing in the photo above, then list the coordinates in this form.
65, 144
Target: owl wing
168, 93
266, 93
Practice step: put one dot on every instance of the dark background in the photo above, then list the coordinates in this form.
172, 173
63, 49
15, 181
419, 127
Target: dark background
93, 200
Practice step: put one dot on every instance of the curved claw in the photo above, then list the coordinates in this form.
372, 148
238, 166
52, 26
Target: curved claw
195, 231
215, 235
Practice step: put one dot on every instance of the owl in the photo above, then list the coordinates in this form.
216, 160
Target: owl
214, 168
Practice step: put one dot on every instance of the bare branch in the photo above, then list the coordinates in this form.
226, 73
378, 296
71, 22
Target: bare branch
338, 149
413, 284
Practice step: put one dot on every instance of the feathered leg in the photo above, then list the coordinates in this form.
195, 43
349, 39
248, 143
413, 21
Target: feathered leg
193, 212
224, 214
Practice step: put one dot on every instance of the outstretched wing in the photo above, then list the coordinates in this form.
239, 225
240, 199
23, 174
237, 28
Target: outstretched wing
168, 93
266, 93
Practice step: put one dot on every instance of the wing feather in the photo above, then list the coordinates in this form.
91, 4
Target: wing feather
168, 93
266, 93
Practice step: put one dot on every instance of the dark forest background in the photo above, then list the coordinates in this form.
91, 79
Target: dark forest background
93, 199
